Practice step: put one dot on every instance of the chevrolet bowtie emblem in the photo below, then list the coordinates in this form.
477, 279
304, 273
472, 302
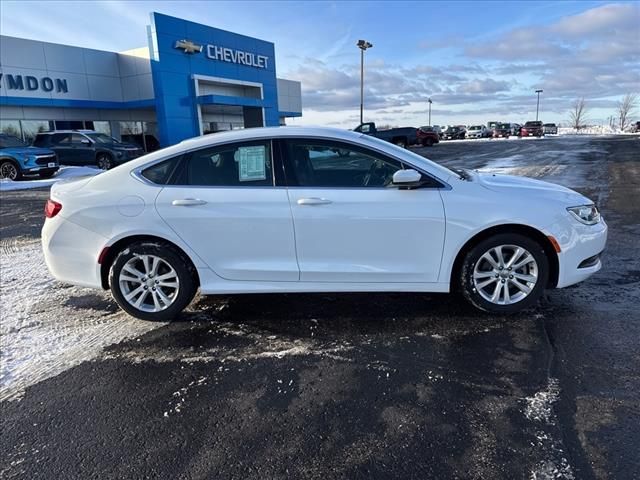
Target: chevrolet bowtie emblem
188, 46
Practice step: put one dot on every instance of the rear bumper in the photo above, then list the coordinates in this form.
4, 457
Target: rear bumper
71, 252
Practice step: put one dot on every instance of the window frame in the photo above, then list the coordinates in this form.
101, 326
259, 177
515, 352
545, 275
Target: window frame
186, 157
286, 164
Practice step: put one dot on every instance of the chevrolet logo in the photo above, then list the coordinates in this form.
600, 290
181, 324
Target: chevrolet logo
188, 46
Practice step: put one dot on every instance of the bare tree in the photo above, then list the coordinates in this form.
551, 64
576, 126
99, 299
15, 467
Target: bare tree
625, 109
578, 113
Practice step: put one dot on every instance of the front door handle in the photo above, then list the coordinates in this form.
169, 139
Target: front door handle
313, 201
187, 202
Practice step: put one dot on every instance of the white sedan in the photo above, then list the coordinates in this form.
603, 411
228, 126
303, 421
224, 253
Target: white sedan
294, 209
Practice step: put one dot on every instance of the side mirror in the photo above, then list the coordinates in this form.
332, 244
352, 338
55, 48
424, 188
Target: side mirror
407, 178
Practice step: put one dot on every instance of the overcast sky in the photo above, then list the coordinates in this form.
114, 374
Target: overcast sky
478, 61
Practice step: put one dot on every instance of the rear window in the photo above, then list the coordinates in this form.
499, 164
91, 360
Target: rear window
533, 124
161, 173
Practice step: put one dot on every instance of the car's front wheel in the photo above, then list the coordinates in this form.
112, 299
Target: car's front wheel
504, 273
152, 281
9, 170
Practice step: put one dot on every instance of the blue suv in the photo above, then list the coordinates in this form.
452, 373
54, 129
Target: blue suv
18, 159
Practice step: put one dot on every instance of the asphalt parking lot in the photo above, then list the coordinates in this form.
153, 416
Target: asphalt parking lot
334, 386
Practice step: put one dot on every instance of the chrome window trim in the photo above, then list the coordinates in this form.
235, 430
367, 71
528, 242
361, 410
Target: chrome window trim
137, 172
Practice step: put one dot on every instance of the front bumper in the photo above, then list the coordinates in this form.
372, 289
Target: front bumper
579, 247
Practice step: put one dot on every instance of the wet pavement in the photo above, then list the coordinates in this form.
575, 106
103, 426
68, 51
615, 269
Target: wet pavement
339, 386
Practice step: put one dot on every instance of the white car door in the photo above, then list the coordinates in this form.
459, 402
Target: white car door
224, 205
352, 225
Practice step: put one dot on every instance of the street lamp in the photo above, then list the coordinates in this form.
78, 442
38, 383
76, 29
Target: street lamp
362, 45
538, 104
430, 102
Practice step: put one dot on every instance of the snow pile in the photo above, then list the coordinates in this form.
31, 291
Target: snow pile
540, 406
47, 328
62, 174
593, 130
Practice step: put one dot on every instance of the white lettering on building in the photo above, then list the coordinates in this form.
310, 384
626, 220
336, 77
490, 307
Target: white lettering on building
249, 59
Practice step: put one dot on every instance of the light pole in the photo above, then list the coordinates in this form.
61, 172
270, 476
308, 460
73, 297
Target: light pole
430, 102
538, 104
362, 45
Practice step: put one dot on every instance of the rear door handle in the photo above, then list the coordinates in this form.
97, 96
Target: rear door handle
187, 202
313, 201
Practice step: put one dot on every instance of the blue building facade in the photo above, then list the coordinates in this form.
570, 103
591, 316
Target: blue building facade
190, 80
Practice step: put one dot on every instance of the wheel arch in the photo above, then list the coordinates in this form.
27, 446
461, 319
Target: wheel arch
531, 232
121, 244
11, 160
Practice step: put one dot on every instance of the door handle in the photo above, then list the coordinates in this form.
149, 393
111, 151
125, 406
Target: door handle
313, 201
187, 202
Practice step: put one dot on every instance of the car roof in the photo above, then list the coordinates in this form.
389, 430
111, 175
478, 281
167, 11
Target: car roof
50, 132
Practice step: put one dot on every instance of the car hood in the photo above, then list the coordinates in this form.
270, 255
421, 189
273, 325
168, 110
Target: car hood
515, 185
27, 151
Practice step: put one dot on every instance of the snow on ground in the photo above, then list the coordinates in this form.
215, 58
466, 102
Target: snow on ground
47, 327
62, 174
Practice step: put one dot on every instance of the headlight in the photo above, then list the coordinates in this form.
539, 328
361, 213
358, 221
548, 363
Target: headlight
587, 214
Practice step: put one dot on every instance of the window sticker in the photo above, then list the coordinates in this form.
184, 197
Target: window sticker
252, 163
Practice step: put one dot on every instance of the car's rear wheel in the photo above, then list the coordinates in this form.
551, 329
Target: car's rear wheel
401, 142
504, 273
427, 142
152, 281
9, 170
104, 161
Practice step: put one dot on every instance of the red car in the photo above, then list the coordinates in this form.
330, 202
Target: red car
427, 136
532, 129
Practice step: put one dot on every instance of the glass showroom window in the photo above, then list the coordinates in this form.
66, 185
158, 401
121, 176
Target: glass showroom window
102, 127
30, 128
11, 127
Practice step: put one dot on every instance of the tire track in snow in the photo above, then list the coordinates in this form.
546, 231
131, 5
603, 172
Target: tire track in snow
47, 327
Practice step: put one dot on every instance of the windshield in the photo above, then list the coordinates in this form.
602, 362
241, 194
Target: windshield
503, 126
101, 138
452, 129
533, 124
476, 127
8, 141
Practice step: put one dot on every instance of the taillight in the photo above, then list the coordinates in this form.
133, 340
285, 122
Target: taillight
51, 208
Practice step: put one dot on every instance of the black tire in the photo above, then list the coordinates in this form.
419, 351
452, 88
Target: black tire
46, 174
104, 161
400, 142
182, 266
466, 282
10, 170
427, 142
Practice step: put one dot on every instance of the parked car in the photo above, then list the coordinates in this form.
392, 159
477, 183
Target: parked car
374, 220
635, 127
402, 136
478, 131
454, 133
532, 129
149, 141
440, 130
550, 128
502, 130
515, 129
18, 159
86, 147
428, 136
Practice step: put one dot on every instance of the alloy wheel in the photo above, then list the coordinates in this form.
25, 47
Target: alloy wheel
505, 274
8, 170
149, 283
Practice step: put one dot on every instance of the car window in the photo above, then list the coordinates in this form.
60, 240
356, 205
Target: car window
61, 139
76, 138
246, 164
318, 163
160, 173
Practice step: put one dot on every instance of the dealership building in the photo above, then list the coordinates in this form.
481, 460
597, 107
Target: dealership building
190, 80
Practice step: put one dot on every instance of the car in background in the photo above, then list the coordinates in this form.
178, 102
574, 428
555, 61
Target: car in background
380, 219
478, 131
635, 127
550, 129
86, 147
502, 130
440, 130
428, 136
515, 129
401, 136
532, 129
149, 143
18, 159
454, 133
